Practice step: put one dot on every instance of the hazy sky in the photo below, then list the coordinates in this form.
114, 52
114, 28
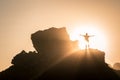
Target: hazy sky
20, 18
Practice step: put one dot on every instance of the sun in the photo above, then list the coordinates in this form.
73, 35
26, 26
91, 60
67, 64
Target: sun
98, 41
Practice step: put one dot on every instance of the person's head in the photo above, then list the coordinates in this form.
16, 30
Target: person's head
86, 34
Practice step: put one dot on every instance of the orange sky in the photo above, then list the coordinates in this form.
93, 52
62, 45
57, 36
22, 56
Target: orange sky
20, 18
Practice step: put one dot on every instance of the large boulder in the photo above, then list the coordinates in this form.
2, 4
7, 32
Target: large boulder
52, 40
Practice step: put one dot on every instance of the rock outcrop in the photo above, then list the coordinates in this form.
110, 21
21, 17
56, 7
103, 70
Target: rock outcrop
52, 40
57, 59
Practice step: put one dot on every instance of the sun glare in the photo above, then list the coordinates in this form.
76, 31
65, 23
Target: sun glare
98, 41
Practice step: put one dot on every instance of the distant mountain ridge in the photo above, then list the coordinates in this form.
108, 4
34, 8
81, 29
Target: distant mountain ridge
57, 59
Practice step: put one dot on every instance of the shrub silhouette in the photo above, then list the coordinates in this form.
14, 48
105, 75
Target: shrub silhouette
116, 66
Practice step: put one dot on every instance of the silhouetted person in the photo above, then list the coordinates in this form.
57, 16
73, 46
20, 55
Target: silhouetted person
86, 36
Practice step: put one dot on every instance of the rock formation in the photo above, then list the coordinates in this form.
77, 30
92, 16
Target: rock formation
52, 40
57, 59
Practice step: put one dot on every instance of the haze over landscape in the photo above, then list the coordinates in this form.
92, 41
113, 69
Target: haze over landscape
20, 18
